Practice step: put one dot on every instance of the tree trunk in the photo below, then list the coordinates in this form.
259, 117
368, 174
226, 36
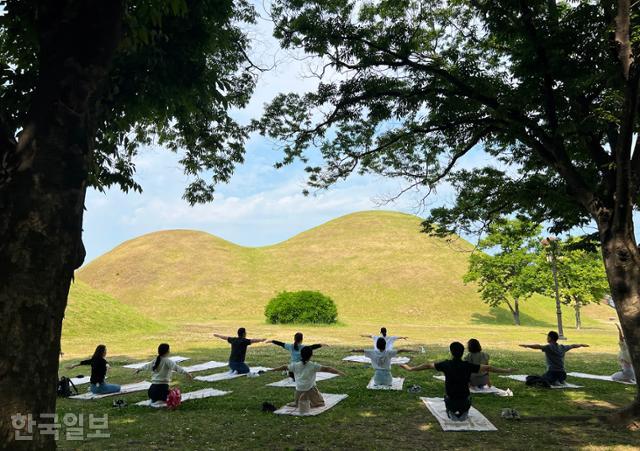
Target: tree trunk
516, 312
622, 264
577, 306
42, 205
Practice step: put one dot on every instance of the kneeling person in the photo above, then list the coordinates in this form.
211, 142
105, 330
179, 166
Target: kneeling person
380, 357
457, 375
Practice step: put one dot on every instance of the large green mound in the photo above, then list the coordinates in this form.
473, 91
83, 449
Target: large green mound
375, 265
92, 313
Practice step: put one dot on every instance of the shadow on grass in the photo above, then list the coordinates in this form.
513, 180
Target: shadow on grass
503, 317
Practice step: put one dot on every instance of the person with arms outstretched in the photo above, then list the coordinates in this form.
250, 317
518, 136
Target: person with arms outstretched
457, 375
554, 355
307, 394
390, 339
295, 348
99, 368
239, 346
162, 368
380, 358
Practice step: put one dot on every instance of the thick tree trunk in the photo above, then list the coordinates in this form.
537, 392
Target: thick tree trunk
42, 207
622, 264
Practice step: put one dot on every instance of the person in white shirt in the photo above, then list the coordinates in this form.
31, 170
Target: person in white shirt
380, 357
162, 367
626, 373
305, 370
389, 339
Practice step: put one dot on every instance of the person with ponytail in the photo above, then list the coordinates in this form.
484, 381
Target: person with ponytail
162, 367
239, 346
99, 368
389, 339
305, 370
380, 358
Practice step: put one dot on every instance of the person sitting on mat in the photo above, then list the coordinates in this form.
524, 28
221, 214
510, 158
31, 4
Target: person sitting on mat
295, 348
99, 368
239, 346
307, 394
554, 355
626, 373
380, 358
390, 339
162, 367
479, 357
457, 374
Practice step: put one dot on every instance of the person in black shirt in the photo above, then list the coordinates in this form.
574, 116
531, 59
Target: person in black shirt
457, 374
239, 346
99, 367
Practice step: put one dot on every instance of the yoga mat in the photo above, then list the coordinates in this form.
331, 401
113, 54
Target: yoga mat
395, 385
364, 359
523, 378
330, 400
475, 422
124, 389
198, 394
598, 378
137, 366
288, 382
216, 377
484, 390
205, 366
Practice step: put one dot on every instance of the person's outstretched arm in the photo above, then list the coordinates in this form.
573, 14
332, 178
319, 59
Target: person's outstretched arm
328, 369
366, 335
402, 338
257, 340
221, 337
276, 342
531, 346
424, 366
620, 334
357, 350
404, 350
318, 346
84, 362
181, 370
495, 369
280, 368
576, 346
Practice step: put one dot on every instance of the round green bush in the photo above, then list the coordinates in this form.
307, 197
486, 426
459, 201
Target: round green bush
301, 307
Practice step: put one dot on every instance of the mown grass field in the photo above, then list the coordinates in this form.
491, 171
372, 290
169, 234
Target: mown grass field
181, 286
366, 419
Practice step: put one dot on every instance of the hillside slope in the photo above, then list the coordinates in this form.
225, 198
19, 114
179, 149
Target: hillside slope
375, 265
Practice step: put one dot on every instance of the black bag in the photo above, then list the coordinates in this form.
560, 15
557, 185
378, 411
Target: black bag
268, 407
66, 387
537, 381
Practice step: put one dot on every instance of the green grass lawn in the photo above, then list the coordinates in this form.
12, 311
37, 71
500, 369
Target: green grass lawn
366, 419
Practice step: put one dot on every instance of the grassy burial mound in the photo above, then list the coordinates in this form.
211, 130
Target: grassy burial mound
374, 265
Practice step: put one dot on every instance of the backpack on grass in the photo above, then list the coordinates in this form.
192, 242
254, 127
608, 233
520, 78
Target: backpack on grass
174, 398
66, 387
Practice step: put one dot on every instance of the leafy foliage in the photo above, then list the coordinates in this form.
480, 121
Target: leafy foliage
301, 307
180, 67
509, 275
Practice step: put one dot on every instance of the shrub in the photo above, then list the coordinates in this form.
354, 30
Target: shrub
301, 307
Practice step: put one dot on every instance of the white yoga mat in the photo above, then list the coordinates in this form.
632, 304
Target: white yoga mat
523, 378
288, 382
395, 385
475, 422
137, 366
484, 390
598, 377
216, 377
365, 359
124, 389
330, 400
204, 366
198, 394
81, 380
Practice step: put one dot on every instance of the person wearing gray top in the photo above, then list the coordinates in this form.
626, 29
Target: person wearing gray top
554, 354
479, 357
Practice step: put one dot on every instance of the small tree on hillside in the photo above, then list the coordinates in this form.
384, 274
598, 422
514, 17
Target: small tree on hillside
508, 275
581, 275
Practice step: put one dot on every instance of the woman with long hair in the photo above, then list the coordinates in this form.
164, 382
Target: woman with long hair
99, 368
307, 394
162, 368
295, 348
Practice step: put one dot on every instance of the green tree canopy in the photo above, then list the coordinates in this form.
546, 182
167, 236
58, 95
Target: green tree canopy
509, 274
